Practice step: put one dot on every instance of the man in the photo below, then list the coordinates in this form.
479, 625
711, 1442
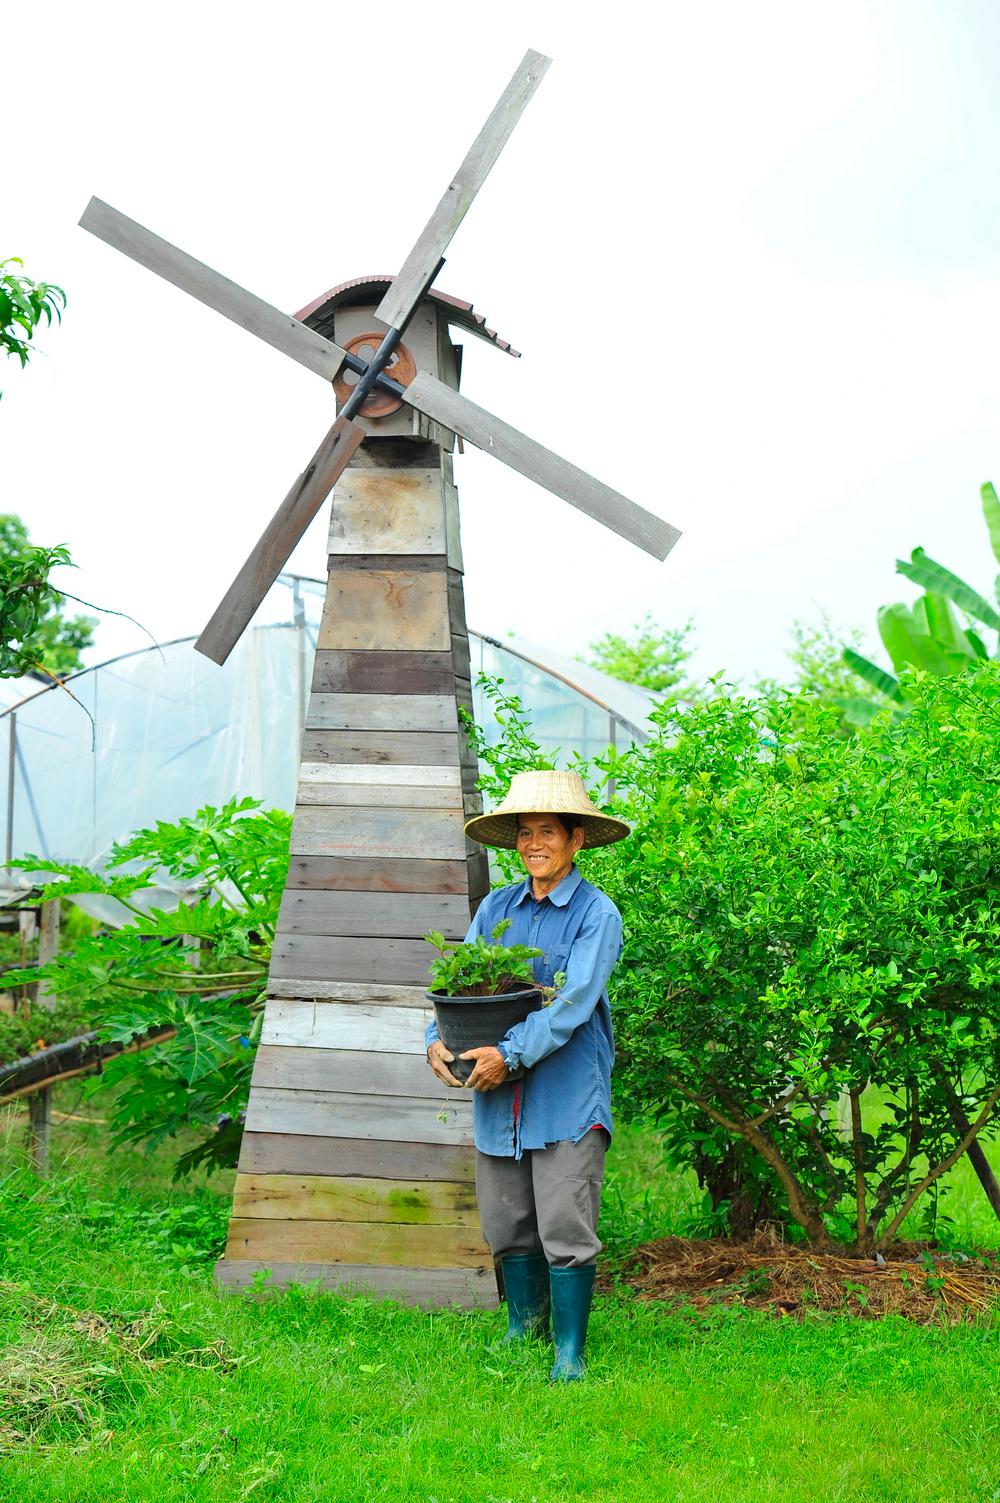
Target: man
541, 1140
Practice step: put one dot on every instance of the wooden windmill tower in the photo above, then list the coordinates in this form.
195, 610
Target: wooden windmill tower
353, 1170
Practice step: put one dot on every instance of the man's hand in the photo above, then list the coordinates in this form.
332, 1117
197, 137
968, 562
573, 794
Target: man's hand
439, 1058
490, 1070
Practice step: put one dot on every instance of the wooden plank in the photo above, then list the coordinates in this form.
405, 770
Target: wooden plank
402, 748
334, 873
270, 553
321, 1197
371, 1072
241, 307
382, 563
372, 833
381, 712
398, 510
424, 1288
371, 994
395, 915
324, 793
346, 1025
461, 656
395, 775
293, 1153
341, 1114
452, 516
385, 610
365, 1242
422, 262
326, 957
456, 602
362, 672
499, 439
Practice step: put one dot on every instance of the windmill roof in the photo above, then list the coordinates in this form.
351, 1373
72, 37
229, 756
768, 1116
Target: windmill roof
369, 289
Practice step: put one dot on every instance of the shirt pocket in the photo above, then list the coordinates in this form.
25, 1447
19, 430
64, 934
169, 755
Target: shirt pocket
557, 959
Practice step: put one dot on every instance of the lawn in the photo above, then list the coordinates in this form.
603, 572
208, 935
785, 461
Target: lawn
124, 1377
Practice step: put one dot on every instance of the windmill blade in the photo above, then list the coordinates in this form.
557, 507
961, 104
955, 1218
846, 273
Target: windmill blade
272, 549
617, 512
421, 264
214, 290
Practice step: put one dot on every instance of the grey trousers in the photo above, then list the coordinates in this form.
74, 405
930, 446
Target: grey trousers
546, 1201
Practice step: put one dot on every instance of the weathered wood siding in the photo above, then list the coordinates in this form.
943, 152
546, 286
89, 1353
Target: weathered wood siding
357, 1165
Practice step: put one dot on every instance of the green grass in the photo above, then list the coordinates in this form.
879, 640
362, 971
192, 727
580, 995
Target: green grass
134, 1380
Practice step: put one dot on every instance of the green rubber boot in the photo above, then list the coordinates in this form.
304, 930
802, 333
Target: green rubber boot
526, 1287
572, 1290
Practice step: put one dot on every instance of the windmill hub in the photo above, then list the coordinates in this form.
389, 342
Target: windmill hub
400, 367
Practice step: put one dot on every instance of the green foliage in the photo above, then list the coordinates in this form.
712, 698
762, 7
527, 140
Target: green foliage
199, 969
28, 1030
807, 919
935, 634
34, 634
653, 657
478, 969
23, 306
823, 666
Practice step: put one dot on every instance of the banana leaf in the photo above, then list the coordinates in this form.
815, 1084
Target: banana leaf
976, 642
874, 675
991, 511
908, 642
860, 712
935, 613
936, 579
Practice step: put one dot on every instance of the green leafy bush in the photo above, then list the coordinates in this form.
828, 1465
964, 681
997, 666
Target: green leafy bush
811, 973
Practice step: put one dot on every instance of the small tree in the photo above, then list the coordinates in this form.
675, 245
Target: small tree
654, 657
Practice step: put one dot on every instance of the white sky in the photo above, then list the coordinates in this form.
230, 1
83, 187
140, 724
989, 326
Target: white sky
750, 252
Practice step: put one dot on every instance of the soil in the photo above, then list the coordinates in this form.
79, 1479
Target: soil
914, 1280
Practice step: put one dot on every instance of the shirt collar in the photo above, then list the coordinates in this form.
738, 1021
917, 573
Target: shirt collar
560, 894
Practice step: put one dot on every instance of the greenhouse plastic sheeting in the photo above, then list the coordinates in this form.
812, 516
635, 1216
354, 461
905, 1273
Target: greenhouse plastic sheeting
172, 731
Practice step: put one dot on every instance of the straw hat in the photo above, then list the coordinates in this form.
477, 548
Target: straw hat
545, 793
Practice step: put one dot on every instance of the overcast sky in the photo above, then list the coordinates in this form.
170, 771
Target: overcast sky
750, 253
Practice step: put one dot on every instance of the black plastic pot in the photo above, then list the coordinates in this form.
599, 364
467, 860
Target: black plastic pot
473, 1022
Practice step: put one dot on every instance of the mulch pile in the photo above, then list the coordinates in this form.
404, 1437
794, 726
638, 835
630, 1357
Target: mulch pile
765, 1273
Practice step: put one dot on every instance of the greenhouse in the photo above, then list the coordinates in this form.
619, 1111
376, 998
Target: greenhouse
157, 733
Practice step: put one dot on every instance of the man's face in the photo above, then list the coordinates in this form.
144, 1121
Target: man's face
544, 846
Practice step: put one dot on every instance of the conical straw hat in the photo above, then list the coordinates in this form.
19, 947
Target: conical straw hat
545, 793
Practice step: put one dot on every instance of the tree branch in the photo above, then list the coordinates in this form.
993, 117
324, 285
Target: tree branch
861, 1210
946, 1163
806, 1215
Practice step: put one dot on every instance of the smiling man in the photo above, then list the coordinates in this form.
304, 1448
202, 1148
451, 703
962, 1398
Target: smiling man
541, 1138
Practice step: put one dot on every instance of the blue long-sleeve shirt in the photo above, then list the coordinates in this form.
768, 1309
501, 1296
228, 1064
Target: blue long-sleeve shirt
568, 1047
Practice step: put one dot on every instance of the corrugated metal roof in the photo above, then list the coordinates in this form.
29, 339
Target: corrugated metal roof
319, 313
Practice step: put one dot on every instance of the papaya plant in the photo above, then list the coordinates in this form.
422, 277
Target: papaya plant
199, 968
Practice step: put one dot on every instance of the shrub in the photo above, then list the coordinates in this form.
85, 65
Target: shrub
808, 992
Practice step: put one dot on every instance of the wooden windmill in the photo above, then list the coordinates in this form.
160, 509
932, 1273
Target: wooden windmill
353, 1170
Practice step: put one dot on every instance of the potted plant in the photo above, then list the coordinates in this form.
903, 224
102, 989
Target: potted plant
480, 990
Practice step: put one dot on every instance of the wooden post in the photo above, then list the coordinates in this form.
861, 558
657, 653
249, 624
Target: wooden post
40, 1103
40, 1129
